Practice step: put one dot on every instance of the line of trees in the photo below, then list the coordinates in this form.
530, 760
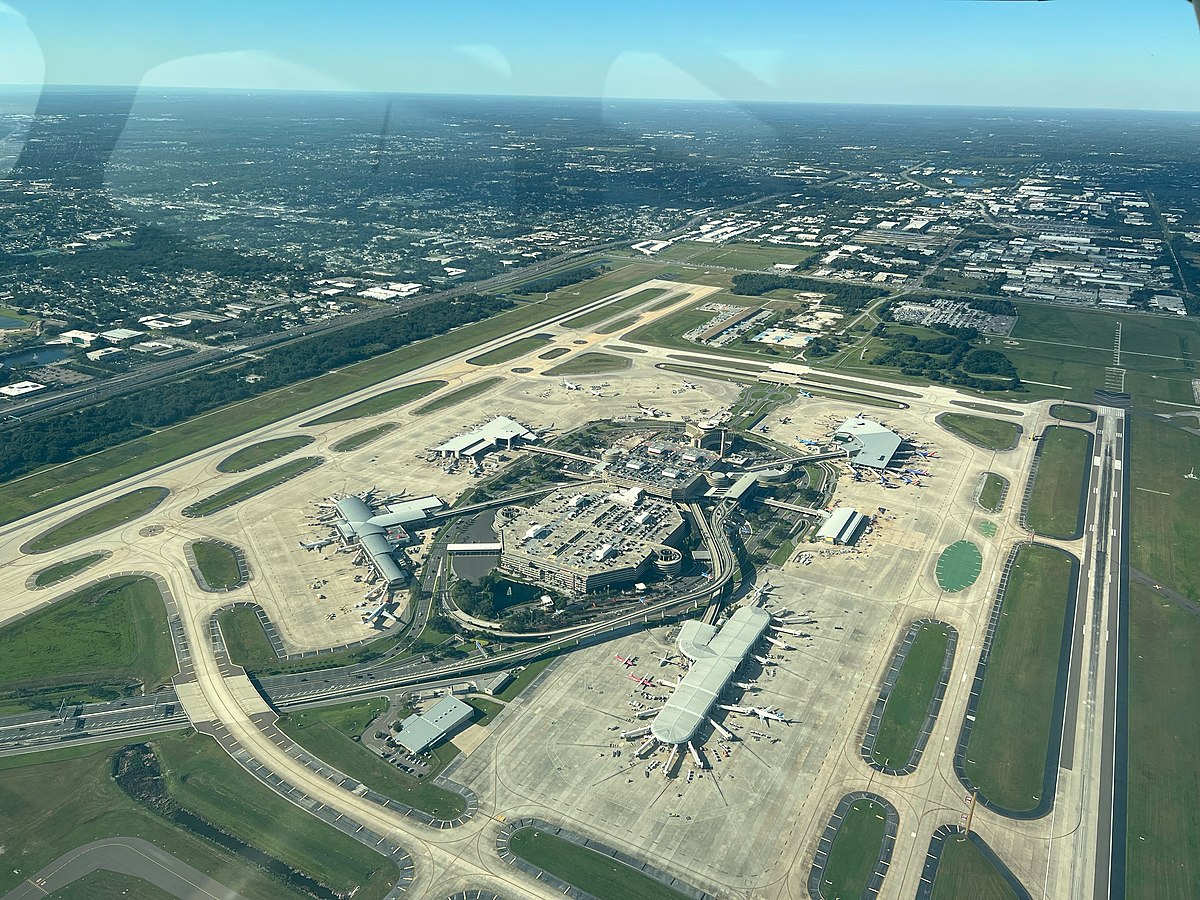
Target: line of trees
559, 280
845, 296
64, 437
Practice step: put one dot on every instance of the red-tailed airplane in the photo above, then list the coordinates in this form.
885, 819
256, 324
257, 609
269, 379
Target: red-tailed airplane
626, 660
644, 682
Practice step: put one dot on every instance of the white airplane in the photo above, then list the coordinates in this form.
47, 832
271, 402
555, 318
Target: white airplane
767, 714
571, 385
652, 411
805, 394
1191, 475
689, 386
316, 545
595, 392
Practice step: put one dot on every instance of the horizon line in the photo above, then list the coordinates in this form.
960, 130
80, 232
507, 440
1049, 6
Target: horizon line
583, 98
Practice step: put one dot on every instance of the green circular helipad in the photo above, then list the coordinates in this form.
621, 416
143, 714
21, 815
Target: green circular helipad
959, 566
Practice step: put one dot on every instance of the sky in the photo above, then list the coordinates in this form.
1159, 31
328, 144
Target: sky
1115, 54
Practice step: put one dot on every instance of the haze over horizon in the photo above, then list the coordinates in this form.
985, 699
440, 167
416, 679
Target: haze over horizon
1068, 54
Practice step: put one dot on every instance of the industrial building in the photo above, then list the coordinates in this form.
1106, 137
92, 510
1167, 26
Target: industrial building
499, 432
716, 655
379, 531
420, 732
868, 443
589, 540
843, 526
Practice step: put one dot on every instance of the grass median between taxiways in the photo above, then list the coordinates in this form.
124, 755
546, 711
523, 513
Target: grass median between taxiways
99, 519
588, 870
908, 704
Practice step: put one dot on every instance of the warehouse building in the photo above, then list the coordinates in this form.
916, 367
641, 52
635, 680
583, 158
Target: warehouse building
868, 443
420, 732
843, 526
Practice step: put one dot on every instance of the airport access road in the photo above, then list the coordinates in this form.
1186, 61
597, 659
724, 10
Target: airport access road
128, 856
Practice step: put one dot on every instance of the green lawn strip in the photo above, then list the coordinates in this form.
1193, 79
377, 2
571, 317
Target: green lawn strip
959, 566
990, 434
263, 452
458, 395
523, 679
1056, 501
588, 870
554, 353
1163, 840
988, 407
590, 364
489, 709
64, 570
364, 437
855, 851
1006, 754
329, 733
692, 372
992, 492
251, 487
99, 519
381, 403
623, 324
104, 885
57, 800
104, 642
54, 484
1166, 527
783, 552
1068, 413
964, 872
617, 306
743, 365
508, 352
908, 704
986, 528
203, 779
217, 563
249, 648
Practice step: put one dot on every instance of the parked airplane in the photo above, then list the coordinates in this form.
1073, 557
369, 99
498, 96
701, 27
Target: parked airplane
626, 660
805, 394
644, 682
316, 545
571, 385
1191, 475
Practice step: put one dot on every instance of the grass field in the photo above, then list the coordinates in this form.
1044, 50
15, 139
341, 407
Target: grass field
554, 353
855, 852
263, 452
489, 709
458, 395
1163, 505
615, 308
64, 570
1164, 731
54, 484
328, 733
987, 408
622, 324
1006, 755
959, 566
381, 403
990, 434
217, 563
99, 519
1056, 501
590, 364
364, 437
747, 257
669, 331
966, 874
251, 487
508, 352
908, 704
57, 800
1069, 413
588, 870
523, 679
201, 777
991, 495
101, 643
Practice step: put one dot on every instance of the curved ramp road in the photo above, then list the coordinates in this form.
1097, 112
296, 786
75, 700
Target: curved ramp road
129, 856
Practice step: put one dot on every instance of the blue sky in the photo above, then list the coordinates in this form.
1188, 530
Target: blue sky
1142, 54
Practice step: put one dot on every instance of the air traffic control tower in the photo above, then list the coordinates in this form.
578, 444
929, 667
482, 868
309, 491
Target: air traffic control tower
716, 655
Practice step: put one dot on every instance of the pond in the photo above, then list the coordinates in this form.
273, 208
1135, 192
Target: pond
39, 356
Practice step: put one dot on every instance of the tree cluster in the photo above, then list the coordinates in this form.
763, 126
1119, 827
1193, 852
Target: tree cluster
845, 296
69, 435
559, 280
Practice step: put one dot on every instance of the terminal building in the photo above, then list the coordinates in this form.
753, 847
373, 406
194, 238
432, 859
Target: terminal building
590, 540
379, 531
500, 432
716, 656
867, 443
